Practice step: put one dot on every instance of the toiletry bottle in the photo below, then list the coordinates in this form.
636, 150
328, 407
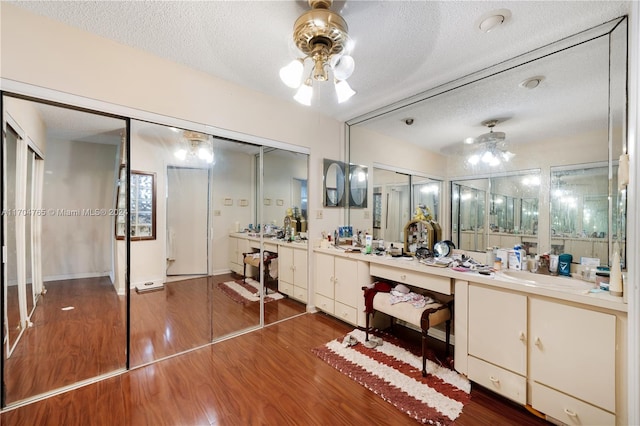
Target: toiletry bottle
615, 277
497, 264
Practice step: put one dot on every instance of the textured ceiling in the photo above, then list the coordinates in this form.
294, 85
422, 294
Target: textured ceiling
401, 47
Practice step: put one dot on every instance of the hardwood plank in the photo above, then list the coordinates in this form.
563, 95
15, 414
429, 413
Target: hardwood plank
265, 377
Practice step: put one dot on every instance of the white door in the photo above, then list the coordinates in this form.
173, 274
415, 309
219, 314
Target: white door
187, 220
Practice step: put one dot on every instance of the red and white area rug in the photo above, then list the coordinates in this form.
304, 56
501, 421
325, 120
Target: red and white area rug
393, 371
247, 292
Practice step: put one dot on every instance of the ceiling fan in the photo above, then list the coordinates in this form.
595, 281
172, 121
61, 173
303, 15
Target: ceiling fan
490, 146
490, 137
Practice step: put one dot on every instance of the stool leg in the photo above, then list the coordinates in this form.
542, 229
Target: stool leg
424, 353
366, 338
448, 336
244, 271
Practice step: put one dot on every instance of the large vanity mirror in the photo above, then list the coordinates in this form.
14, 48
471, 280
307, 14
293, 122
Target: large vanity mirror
561, 106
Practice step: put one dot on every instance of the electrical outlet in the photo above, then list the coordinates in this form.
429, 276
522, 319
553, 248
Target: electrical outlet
366, 214
319, 214
216, 213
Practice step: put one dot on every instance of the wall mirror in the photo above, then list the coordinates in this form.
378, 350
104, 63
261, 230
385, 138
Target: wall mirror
333, 183
61, 166
581, 211
590, 69
396, 196
358, 186
284, 177
468, 207
498, 211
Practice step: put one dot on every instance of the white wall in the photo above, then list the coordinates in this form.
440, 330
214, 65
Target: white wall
78, 175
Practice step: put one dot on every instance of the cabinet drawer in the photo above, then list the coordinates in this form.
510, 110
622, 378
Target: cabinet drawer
300, 294
273, 248
285, 288
324, 303
567, 409
346, 313
419, 279
503, 382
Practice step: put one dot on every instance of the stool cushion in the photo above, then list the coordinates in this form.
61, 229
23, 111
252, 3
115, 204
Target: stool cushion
406, 312
252, 260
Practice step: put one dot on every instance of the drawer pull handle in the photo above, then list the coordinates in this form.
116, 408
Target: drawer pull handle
403, 277
494, 380
570, 413
522, 336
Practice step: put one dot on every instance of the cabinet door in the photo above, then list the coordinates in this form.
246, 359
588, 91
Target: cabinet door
300, 268
324, 275
285, 264
347, 288
233, 250
498, 328
573, 350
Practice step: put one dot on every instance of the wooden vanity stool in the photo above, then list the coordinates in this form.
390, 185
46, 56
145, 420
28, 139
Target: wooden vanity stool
432, 314
253, 259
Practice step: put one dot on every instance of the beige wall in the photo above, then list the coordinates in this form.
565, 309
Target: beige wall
45, 53
78, 175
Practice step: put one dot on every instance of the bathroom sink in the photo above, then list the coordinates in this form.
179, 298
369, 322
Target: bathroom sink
564, 284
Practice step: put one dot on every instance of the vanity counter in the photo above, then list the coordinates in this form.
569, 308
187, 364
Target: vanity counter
576, 291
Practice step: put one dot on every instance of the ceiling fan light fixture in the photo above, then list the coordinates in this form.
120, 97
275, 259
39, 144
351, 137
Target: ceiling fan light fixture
322, 37
344, 91
343, 66
304, 93
291, 74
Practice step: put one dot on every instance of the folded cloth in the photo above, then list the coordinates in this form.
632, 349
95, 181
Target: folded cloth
370, 292
417, 300
273, 268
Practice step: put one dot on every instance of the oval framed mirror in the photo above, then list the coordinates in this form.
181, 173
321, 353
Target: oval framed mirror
358, 186
334, 183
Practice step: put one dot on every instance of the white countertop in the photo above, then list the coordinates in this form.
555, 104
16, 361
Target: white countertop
302, 244
567, 289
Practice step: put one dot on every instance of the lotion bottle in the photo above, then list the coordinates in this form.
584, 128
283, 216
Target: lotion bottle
615, 278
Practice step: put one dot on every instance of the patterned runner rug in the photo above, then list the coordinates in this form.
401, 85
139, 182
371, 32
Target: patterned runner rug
247, 292
394, 372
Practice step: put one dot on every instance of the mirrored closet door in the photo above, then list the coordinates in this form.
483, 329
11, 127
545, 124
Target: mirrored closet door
64, 300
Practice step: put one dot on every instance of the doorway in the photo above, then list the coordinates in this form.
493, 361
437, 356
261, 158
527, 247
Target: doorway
187, 221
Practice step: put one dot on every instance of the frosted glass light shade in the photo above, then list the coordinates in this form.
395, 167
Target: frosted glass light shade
304, 93
291, 74
343, 66
344, 91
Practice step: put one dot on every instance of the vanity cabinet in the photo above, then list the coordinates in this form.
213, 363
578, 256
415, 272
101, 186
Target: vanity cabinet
292, 272
237, 246
339, 283
570, 352
497, 341
572, 362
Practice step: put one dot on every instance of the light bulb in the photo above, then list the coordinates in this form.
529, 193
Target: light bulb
474, 159
291, 74
344, 91
487, 157
304, 93
181, 154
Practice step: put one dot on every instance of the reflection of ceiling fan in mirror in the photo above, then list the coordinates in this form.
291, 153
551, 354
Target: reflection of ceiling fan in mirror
489, 147
196, 145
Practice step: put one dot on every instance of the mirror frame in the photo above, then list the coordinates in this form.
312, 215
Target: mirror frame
340, 198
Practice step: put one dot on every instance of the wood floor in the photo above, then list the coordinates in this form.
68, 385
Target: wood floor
265, 377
